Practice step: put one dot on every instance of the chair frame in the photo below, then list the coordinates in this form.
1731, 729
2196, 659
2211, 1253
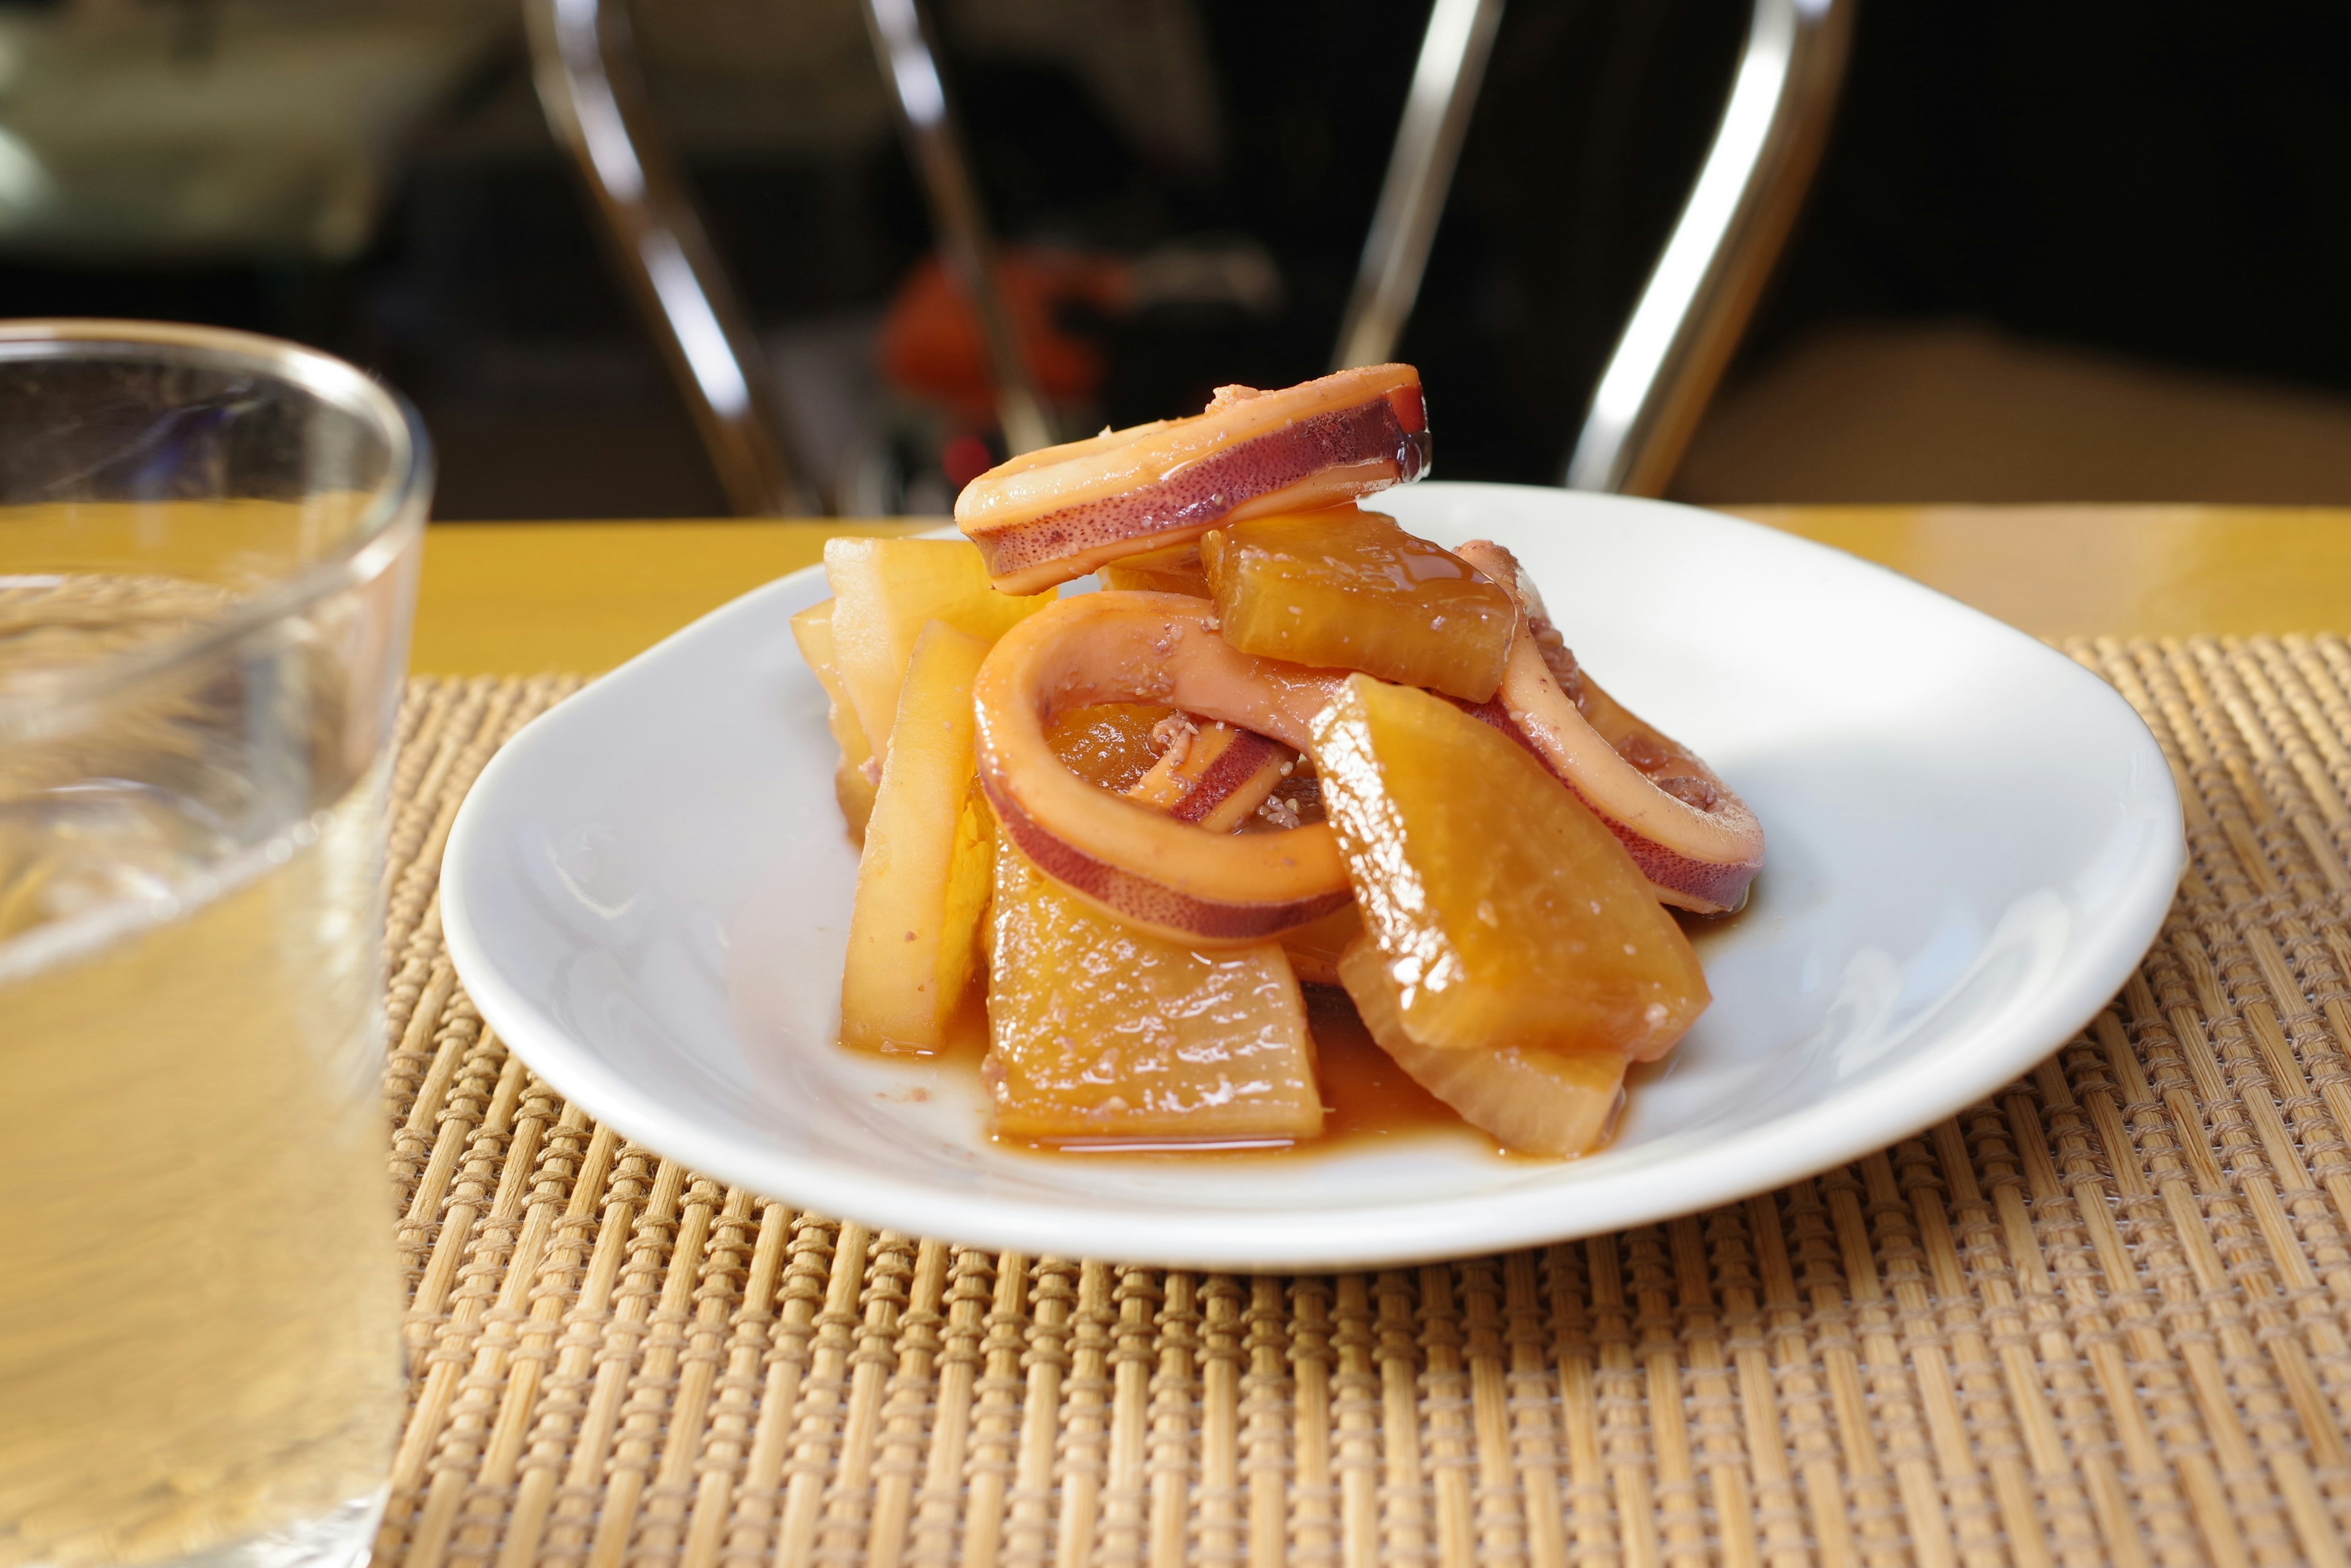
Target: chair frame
902, 42
1695, 306
584, 68
1664, 367
1451, 68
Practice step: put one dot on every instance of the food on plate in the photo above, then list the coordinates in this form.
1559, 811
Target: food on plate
1212, 775
1110, 744
1288, 742
1099, 1031
1050, 516
1175, 570
1132, 860
856, 775
1688, 831
1538, 1101
1315, 950
1476, 873
922, 872
1350, 590
883, 592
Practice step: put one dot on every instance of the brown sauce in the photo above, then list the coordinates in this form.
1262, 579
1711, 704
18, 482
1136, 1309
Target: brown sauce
1366, 1097
1109, 745
1704, 930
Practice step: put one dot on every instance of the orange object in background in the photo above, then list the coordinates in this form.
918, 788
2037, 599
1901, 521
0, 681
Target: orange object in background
931, 348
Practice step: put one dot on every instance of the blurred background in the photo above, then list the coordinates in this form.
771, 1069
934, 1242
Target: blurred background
2056, 249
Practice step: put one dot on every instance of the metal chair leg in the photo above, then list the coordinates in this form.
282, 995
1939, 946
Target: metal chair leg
1697, 302
902, 41
588, 88
1453, 54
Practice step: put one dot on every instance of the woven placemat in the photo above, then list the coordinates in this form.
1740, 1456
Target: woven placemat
2100, 1317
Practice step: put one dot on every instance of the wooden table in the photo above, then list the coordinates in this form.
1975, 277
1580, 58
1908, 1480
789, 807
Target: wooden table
520, 597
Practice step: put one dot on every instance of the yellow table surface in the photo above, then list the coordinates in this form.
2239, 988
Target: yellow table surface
517, 597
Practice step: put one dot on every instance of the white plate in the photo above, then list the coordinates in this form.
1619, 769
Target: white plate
1971, 842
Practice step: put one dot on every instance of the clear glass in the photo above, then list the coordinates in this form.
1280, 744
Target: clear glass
207, 560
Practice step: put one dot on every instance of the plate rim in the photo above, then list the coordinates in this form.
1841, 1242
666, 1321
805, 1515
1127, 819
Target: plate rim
1832, 1131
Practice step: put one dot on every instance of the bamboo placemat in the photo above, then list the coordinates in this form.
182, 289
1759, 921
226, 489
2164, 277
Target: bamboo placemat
2100, 1317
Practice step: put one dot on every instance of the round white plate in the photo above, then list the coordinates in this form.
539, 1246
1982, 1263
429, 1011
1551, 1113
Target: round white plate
1971, 841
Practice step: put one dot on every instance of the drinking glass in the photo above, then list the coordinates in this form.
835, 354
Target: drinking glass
208, 545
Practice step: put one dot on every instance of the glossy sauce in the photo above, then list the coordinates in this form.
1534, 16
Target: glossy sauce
1704, 930
1109, 744
1366, 1097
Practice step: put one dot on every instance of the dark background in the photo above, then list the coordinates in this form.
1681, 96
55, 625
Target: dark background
2161, 181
